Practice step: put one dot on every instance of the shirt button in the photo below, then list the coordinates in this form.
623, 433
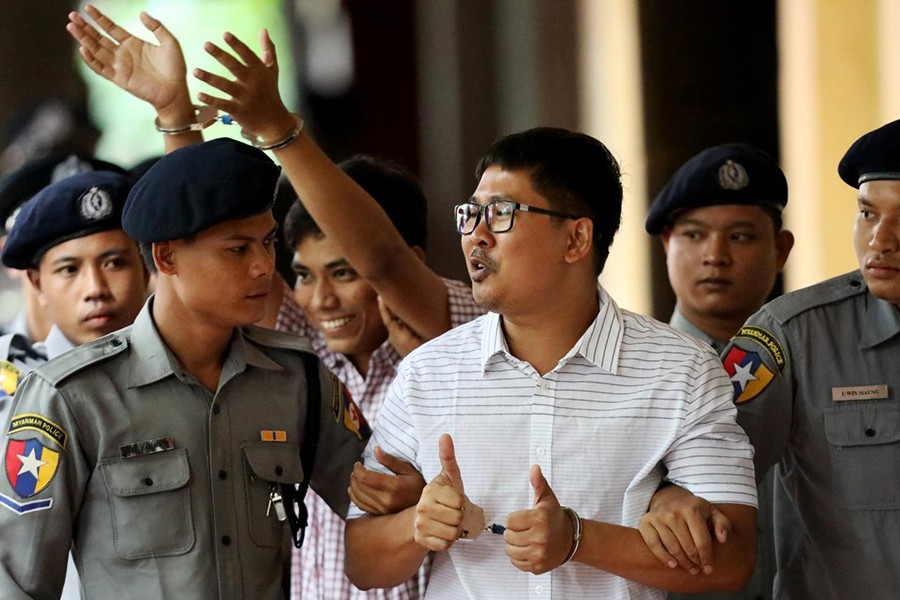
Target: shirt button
279, 471
148, 482
226, 541
216, 409
870, 432
223, 474
540, 451
538, 589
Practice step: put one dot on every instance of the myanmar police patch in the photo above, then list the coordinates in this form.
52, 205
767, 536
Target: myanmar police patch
347, 412
749, 375
30, 466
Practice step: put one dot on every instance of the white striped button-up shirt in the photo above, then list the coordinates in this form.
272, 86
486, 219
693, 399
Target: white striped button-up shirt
632, 399
317, 569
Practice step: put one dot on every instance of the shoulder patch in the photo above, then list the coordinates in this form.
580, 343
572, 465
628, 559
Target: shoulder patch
766, 340
836, 289
9, 378
83, 356
346, 412
277, 339
748, 373
36, 422
30, 466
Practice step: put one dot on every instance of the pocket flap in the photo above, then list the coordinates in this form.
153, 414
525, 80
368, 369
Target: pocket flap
278, 462
147, 474
862, 425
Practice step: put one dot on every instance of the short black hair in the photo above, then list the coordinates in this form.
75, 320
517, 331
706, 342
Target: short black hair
576, 173
395, 189
146, 250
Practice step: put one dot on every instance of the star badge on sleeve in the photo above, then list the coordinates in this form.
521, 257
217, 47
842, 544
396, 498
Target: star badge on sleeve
749, 375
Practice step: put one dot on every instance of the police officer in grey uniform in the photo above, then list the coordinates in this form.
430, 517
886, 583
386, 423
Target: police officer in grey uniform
18, 187
720, 221
161, 452
56, 215
816, 375
69, 242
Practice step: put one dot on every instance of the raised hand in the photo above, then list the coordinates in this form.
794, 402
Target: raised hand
380, 494
677, 529
439, 513
254, 100
538, 540
154, 73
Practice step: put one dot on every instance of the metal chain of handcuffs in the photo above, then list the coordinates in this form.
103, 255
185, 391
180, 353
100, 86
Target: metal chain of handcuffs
204, 116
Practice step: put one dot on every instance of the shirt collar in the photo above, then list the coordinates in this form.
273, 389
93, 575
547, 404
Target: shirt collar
151, 360
600, 343
882, 322
55, 343
681, 323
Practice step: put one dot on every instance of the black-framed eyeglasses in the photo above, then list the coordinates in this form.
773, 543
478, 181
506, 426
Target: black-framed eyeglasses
498, 215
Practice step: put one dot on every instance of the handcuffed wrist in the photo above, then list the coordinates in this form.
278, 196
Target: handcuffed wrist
576, 532
204, 116
279, 143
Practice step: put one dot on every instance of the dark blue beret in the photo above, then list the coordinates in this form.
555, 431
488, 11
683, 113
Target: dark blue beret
874, 156
725, 174
20, 185
194, 188
74, 207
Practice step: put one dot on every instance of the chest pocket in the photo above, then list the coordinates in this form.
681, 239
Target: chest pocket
864, 441
268, 465
150, 504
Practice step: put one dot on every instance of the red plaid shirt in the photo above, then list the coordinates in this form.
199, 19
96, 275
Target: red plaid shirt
317, 569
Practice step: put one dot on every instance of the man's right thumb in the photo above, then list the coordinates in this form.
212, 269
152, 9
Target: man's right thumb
447, 453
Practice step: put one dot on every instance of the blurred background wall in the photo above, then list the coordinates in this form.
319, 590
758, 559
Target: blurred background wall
431, 83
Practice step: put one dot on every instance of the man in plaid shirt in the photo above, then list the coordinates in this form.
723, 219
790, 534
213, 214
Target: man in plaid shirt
339, 312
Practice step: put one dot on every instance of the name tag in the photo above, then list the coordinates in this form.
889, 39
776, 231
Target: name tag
862, 392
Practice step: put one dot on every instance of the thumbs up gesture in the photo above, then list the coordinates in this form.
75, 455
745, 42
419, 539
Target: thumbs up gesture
439, 513
538, 540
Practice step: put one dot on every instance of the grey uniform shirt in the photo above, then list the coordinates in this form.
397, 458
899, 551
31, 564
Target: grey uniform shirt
681, 323
149, 522
816, 375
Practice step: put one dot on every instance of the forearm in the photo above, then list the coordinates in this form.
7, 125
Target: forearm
622, 551
365, 236
381, 551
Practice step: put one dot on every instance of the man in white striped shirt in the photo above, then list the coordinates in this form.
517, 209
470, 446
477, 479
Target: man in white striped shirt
602, 403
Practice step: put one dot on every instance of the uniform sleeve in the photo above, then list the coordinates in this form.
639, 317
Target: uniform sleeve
759, 365
45, 478
711, 456
343, 433
395, 434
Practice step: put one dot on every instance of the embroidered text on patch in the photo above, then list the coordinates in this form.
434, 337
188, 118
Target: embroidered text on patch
767, 341
39, 423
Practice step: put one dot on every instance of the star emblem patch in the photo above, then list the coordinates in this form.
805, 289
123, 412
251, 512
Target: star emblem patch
749, 375
30, 466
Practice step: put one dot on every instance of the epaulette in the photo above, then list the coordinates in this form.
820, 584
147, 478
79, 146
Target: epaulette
277, 339
827, 292
83, 356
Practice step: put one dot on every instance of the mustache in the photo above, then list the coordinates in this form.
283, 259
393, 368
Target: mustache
484, 258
